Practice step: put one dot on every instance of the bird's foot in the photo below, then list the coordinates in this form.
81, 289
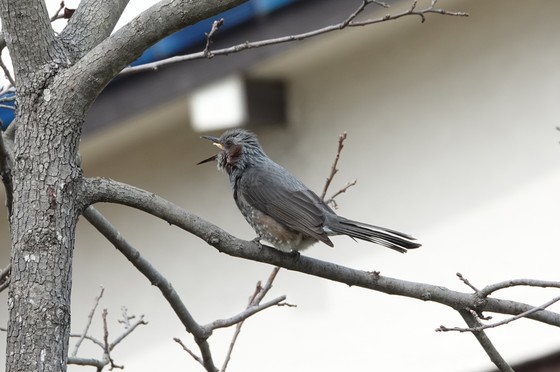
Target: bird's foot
294, 254
257, 241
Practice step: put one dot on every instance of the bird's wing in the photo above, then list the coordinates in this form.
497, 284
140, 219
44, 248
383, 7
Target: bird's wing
278, 194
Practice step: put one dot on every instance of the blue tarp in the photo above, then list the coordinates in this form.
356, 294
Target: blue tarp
6, 114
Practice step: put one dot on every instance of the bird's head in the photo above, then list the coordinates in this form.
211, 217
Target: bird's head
239, 149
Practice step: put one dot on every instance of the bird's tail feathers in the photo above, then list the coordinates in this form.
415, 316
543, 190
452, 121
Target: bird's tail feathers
379, 235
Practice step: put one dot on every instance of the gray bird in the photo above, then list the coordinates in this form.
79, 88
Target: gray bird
280, 208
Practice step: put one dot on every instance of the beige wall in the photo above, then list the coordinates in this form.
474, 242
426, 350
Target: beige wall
451, 137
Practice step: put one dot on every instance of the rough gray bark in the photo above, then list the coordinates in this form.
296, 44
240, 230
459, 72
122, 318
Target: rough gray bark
92, 22
44, 211
58, 78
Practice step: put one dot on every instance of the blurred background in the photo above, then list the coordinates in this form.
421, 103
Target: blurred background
451, 136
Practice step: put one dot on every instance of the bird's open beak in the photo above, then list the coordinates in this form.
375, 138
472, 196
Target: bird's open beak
215, 142
211, 158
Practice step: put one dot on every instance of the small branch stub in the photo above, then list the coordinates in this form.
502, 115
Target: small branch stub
209, 35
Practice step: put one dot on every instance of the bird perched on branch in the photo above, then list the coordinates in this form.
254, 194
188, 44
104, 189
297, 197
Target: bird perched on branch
280, 208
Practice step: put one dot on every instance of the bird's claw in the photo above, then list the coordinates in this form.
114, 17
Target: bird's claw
295, 254
257, 241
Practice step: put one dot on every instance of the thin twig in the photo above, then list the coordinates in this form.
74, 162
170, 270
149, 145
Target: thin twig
500, 323
105, 334
489, 289
332, 200
485, 342
355, 13
125, 318
306, 35
380, 3
106, 345
191, 353
88, 324
215, 27
57, 15
7, 74
467, 283
89, 338
242, 316
254, 300
267, 286
127, 332
334, 168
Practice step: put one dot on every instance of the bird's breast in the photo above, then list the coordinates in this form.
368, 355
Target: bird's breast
280, 236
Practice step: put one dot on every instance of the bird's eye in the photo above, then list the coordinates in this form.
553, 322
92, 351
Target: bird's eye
228, 143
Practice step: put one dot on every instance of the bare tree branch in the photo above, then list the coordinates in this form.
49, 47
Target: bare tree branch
8, 75
472, 321
488, 290
215, 27
201, 333
150, 272
99, 364
333, 172
467, 283
334, 168
88, 324
126, 318
345, 188
90, 24
156, 278
128, 331
254, 300
223, 323
94, 71
260, 292
30, 19
106, 190
189, 351
57, 15
106, 345
89, 338
348, 22
482, 327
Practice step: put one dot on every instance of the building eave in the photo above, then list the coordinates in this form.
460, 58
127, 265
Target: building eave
133, 95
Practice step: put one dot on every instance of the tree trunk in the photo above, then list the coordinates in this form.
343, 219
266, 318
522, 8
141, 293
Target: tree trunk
57, 79
46, 182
